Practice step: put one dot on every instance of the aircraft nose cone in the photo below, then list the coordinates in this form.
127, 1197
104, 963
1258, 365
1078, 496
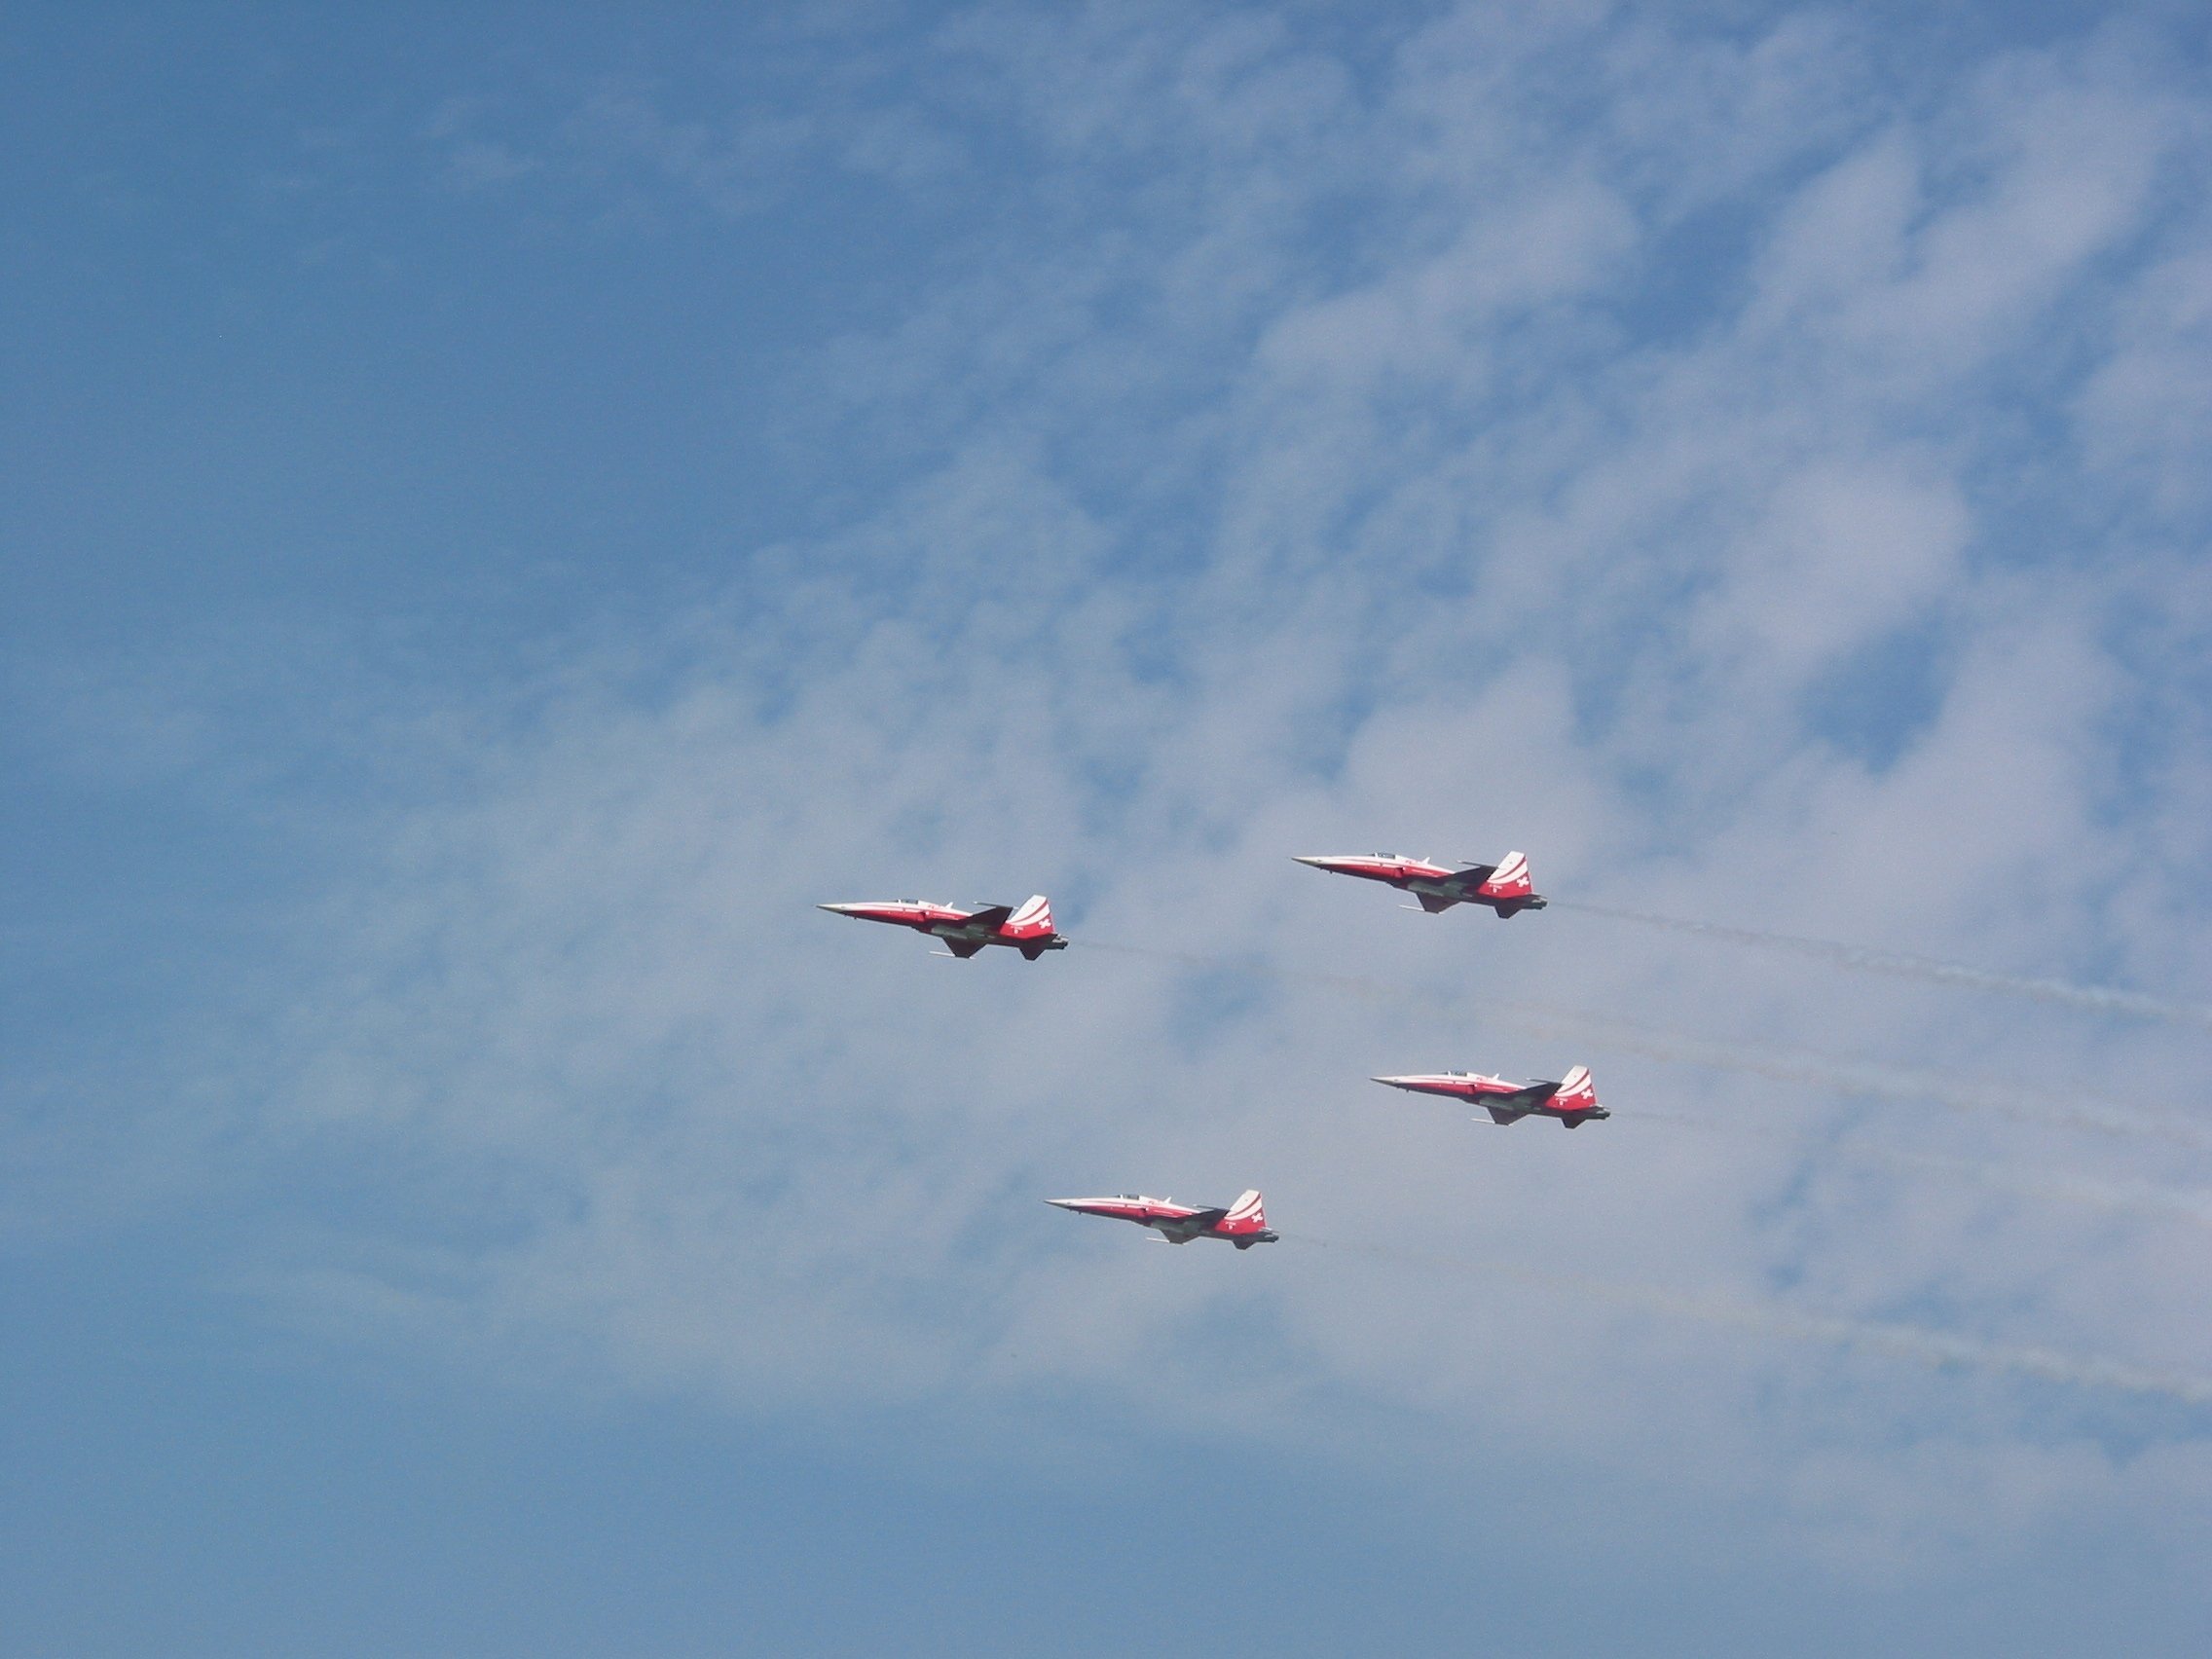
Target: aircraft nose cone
1313, 858
1393, 1082
1065, 1204
838, 909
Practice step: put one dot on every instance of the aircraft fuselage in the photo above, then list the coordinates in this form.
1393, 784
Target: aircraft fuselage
1242, 1224
1572, 1101
1504, 888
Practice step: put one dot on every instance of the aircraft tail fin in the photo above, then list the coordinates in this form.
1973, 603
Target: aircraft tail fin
1246, 1215
1033, 920
1576, 1092
1509, 880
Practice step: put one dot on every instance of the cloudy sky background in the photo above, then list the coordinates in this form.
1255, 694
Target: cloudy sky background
504, 513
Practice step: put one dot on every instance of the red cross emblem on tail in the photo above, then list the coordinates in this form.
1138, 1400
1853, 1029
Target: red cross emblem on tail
1246, 1215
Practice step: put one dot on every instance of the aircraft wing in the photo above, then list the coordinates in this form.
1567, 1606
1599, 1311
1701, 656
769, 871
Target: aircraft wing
1512, 1108
990, 919
964, 946
1508, 882
1470, 878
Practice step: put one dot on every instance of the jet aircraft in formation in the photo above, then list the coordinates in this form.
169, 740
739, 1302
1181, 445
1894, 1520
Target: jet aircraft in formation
1573, 1100
1243, 1223
1504, 887
1028, 930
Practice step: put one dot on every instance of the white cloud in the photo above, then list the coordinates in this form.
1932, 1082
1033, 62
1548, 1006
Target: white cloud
2144, 411
1842, 553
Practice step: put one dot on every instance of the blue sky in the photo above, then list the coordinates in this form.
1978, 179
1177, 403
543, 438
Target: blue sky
502, 512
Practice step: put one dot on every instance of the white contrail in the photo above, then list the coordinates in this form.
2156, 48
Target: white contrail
1860, 1078
1833, 1074
2131, 1198
2101, 998
1935, 1348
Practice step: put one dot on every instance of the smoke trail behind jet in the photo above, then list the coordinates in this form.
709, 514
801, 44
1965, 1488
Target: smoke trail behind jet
1934, 1349
1828, 1073
2100, 999
2133, 1197
1867, 1079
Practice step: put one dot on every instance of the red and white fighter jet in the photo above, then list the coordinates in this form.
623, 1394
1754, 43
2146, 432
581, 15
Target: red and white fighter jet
1504, 887
1028, 930
1573, 1100
1243, 1223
